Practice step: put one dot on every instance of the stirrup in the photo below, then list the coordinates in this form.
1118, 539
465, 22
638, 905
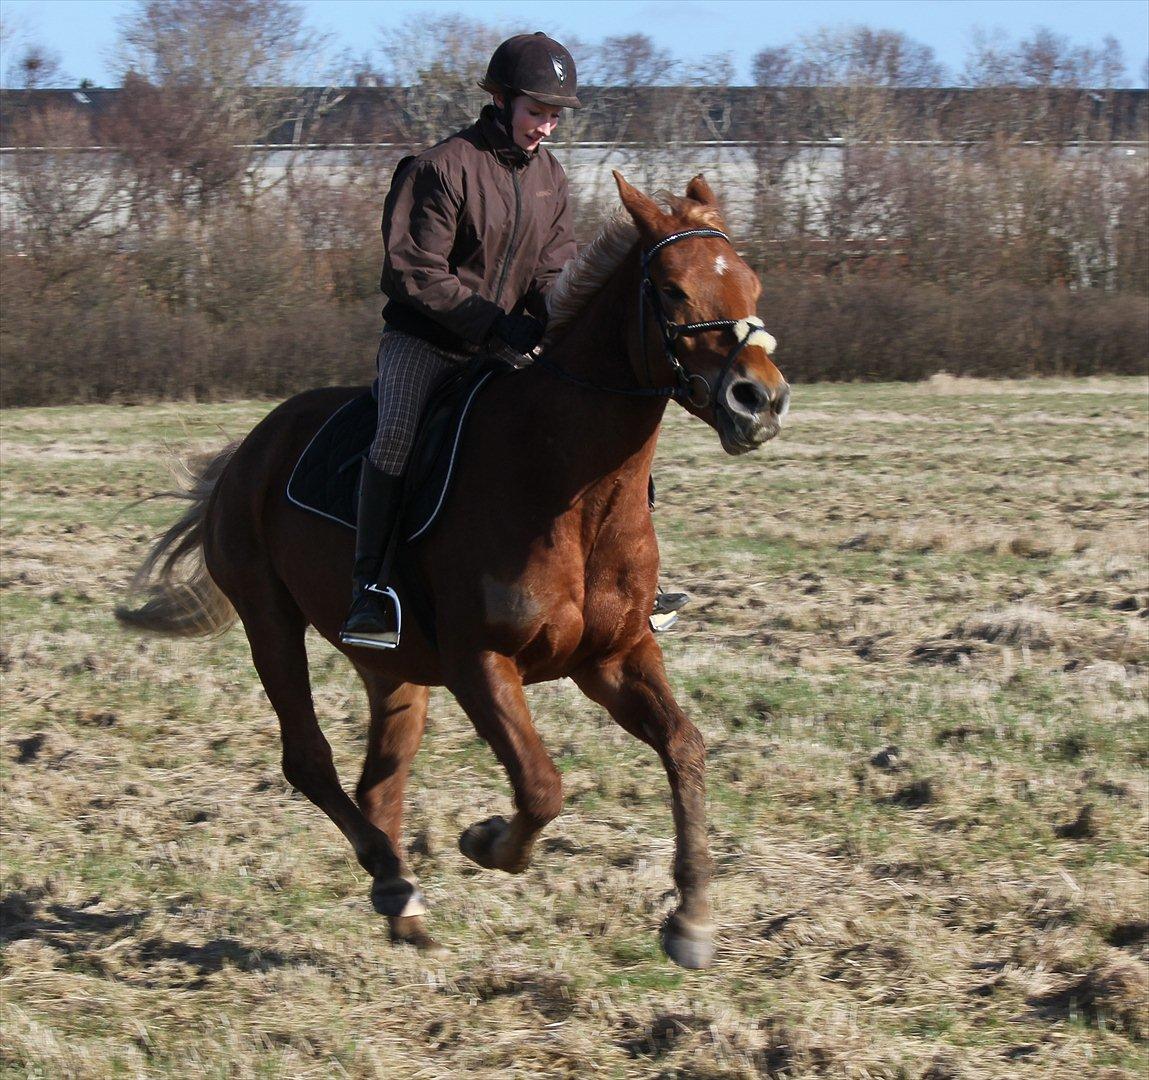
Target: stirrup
660, 623
667, 602
388, 639
666, 609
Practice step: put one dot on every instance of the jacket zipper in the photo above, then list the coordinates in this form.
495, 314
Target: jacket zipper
514, 236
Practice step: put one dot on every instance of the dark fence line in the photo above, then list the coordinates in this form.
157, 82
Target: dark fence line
300, 116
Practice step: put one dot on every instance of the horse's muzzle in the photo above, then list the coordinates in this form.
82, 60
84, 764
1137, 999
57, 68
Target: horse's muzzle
750, 412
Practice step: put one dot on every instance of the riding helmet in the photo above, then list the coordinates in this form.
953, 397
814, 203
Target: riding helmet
535, 65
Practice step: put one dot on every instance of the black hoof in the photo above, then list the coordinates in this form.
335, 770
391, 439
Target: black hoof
396, 897
687, 945
476, 840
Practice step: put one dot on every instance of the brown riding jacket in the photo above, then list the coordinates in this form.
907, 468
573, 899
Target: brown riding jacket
473, 228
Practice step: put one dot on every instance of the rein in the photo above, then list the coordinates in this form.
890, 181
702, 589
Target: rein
744, 330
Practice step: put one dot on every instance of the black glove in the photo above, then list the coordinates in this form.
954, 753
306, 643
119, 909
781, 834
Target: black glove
521, 332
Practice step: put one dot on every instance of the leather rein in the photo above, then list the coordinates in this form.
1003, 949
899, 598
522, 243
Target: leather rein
685, 389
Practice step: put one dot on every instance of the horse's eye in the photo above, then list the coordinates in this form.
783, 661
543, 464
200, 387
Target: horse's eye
673, 293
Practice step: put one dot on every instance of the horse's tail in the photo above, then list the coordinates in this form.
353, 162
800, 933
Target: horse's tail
178, 594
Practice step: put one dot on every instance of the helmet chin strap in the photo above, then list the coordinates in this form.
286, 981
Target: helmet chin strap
506, 114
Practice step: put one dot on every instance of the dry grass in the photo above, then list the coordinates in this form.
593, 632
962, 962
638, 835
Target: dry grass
927, 779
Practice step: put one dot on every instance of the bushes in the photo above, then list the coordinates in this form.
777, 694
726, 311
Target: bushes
58, 346
230, 303
974, 267
893, 329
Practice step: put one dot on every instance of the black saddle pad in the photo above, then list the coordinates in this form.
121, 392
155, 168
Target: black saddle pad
325, 480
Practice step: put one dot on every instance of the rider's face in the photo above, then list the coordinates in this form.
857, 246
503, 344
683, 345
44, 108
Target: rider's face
532, 121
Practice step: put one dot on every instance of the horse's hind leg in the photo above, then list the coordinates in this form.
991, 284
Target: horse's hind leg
275, 630
398, 715
634, 690
490, 689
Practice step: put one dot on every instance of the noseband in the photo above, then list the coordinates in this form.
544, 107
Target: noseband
744, 330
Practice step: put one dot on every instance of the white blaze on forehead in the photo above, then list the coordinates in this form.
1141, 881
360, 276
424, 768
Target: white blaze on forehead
721, 265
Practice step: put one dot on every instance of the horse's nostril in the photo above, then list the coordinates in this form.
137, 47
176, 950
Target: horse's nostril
750, 396
781, 401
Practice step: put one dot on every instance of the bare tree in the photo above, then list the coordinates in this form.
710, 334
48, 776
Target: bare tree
39, 67
828, 125
221, 43
775, 67
446, 48
63, 203
204, 81
1044, 59
856, 56
629, 60
28, 63
440, 61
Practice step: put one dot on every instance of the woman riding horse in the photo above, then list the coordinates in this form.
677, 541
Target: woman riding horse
475, 230
558, 583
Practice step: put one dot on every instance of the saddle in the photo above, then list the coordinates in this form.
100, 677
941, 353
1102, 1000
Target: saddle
325, 480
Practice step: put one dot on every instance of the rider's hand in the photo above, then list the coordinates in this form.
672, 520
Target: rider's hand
521, 332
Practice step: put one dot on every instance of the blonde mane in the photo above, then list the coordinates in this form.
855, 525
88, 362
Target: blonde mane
589, 271
592, 267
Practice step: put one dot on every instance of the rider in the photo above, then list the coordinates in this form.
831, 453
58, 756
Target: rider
475, 231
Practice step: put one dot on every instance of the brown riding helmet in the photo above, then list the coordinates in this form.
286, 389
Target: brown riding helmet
535, 65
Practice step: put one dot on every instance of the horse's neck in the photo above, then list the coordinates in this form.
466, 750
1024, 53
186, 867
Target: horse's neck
598, 344
598, 348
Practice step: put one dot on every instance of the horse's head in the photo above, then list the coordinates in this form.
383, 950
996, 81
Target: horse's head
698, 318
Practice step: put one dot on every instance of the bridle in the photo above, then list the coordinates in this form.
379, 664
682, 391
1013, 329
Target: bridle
687, 382
672, 331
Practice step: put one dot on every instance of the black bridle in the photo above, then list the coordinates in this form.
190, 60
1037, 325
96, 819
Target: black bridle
687, 382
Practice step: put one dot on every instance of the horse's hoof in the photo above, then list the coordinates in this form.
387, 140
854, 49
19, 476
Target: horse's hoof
478, 843
408, 930
397, 896
688, 945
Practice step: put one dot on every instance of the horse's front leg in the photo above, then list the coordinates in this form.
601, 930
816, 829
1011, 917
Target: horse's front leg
634, 690
490, 689
398, 716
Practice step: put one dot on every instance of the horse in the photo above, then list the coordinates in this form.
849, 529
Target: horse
542, 565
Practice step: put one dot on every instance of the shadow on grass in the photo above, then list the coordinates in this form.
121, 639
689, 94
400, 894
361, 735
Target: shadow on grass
80, 934
64, 927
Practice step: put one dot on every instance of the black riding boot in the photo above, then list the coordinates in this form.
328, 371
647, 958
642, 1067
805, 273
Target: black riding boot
376, 615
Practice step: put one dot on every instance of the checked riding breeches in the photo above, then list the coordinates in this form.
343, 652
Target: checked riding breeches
409, 369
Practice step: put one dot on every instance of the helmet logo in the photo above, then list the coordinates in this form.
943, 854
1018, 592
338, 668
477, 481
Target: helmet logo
560, 68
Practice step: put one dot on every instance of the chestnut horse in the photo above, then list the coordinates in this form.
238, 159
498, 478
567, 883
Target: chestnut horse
542, 565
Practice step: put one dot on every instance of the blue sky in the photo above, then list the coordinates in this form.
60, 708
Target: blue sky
81, 32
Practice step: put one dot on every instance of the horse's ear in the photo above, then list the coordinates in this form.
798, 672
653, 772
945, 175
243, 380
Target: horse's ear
699, 190
641, 207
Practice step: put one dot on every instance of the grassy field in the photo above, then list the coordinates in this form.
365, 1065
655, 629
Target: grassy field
919, 654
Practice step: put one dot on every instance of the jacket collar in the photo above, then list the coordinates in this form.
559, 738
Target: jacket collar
501, 144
